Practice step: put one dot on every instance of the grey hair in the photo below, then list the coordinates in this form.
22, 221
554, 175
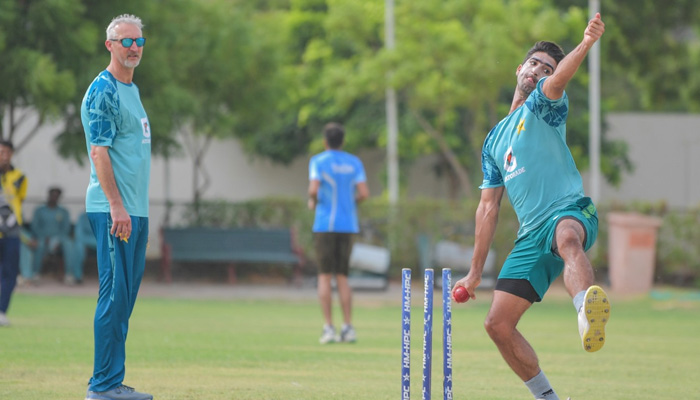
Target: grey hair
125, 19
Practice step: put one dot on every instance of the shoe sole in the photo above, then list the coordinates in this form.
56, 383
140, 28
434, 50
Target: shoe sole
597, 309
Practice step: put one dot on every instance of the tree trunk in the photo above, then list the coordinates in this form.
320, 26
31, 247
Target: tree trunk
197, 150
455, 165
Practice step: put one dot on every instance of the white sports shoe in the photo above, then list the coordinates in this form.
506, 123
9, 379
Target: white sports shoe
3, 320
592, 318
328, 335
347, 334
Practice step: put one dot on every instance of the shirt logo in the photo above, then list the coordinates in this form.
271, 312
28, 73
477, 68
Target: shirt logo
342, 168
146, 131
510, 163
521, 126
146, 127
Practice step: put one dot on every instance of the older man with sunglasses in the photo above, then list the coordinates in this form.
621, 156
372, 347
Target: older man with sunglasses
118, 137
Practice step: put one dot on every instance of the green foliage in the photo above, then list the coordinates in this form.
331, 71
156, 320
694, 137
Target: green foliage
273, 72
643, 56
398, 229
453, 68
271, 212
678, 251
39, 60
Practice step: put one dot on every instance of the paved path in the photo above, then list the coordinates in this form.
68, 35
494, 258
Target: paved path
198, 290
248, 291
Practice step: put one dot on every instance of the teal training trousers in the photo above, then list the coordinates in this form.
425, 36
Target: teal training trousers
120, 266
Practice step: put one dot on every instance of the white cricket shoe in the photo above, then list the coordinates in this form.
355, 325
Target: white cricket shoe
347, 334
3, 320
592, 318
328, 335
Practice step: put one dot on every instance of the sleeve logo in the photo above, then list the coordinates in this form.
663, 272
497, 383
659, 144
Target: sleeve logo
510, 163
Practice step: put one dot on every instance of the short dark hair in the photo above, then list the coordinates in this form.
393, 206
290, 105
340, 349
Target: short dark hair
334, 134
7, 144
552, 49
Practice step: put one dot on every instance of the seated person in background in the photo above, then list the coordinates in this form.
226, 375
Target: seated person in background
84, 239
51, 227
26, 256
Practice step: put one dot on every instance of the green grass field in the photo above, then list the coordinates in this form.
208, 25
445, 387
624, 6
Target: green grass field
219, 349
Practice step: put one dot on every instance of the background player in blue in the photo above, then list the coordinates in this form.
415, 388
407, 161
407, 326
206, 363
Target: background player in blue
337, 183
526, 153
118, 139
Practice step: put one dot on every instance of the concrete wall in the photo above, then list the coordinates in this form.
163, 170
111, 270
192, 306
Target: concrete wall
663, 149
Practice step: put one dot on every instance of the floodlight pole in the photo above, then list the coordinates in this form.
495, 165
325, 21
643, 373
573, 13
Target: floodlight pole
391, 112
594, 109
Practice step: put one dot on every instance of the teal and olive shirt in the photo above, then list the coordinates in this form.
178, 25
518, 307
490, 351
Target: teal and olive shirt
527, 153
113, 116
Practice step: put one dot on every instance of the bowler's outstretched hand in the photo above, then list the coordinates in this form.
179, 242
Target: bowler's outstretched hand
594, 30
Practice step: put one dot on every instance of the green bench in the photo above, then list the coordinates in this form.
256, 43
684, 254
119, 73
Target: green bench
231, 246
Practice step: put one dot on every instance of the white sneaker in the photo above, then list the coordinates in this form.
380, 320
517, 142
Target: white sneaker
69, 280
3, 320
592, 318
23, 282
328, 335
347, 334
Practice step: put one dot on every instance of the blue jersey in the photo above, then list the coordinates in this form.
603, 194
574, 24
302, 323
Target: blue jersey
113, 116
527, 153
339, 172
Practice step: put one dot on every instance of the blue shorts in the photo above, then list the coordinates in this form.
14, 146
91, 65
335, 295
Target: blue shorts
534, 259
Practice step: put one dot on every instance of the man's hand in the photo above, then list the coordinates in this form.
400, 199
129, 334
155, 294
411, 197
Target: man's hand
594, 30
469, 282
311, 203
121, 223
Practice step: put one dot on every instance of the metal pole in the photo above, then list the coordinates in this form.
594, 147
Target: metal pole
594, 109
391, 113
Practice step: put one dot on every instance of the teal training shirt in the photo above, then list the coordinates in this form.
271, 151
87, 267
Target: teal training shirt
527, 153
113, 116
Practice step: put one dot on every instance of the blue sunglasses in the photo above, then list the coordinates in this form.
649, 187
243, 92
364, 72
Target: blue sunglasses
127, 42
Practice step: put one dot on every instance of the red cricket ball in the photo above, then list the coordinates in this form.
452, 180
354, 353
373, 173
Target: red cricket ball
460, 294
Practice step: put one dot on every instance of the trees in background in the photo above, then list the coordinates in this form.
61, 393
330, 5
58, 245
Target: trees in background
41, 61
272, 72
